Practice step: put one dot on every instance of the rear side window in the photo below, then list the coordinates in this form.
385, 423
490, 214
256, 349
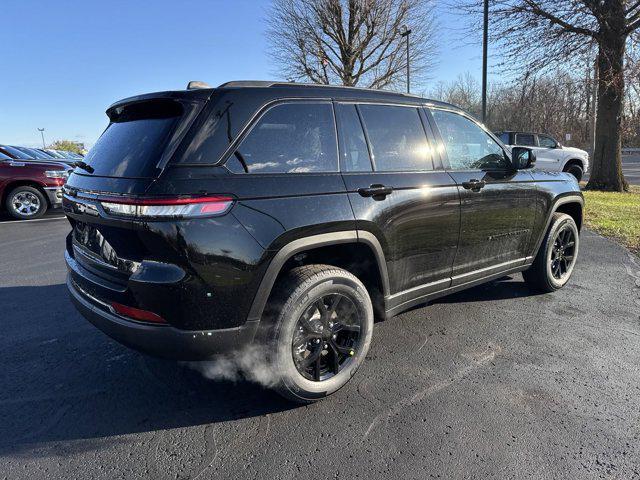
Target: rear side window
526, 139
504, 138
397, 138
296, 137
547, 142
355, 153
133, 143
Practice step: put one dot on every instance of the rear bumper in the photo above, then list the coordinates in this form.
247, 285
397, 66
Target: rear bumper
161, 341
54, 194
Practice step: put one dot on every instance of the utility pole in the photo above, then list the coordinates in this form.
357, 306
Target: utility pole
405, 34
485, 41
41, 130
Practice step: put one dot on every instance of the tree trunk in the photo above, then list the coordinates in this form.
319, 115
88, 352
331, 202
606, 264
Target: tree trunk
606, 172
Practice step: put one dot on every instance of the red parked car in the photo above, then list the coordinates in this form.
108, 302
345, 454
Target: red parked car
28, 188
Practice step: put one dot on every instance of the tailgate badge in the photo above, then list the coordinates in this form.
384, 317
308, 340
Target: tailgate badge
83, 208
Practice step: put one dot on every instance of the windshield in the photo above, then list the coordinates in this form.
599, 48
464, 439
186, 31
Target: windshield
39, 154
56, 154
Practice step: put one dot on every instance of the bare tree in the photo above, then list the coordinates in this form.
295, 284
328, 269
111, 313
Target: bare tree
351, 42
540, 34
463, 92
556, 103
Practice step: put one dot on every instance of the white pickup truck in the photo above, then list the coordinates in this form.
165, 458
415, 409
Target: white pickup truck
551, 156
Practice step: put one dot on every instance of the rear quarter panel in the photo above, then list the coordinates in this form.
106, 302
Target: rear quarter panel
275, 209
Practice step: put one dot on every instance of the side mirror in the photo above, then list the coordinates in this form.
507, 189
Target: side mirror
523, 158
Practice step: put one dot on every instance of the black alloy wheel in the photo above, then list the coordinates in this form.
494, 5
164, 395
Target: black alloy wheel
327, 337
563, 253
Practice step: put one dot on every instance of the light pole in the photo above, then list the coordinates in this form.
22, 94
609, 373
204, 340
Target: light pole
485, 41
405, 34
41, 130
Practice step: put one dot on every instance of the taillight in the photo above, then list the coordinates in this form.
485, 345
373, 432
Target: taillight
163, 207
137, 313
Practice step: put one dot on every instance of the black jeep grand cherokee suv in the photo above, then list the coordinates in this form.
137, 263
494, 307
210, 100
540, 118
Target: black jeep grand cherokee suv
289, 216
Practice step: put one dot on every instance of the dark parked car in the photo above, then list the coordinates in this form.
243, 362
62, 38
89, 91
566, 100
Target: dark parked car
28, 188
287, 216
15, 153
34, 153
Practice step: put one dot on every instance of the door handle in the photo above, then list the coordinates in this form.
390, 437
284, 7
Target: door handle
474, 185
375, 190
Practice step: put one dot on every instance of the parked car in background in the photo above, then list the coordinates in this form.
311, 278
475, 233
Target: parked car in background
15, 153
69, 154
29, 188
55, 153
551, 155
59, 156
34, 153
286, 215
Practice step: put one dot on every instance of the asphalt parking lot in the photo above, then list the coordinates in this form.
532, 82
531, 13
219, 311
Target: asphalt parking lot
495, 382
631, 168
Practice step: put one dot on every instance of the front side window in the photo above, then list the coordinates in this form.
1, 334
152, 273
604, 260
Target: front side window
468, 146
547, 142
289, 138
526, 139
397, 138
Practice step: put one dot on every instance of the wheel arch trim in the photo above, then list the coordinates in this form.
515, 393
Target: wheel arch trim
14, 183
558, 201
573, 160
306, 243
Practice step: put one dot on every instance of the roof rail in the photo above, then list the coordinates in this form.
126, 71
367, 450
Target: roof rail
246, 83
265, 84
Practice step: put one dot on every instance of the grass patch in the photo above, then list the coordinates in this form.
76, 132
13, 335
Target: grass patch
615, 215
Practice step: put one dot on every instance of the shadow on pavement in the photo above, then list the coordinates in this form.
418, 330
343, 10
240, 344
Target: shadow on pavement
504, 288
63, 380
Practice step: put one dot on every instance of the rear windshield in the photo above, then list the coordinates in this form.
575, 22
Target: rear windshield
133, 143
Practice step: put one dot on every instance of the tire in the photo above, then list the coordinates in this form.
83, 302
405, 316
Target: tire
575, 170
26, 203
543, 274
295, 312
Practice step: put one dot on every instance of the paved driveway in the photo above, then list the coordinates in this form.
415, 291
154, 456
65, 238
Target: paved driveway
495, 382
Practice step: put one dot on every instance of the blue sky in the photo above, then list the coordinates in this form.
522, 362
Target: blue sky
66, 61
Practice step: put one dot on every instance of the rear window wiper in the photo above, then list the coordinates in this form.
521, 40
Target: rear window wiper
83, 165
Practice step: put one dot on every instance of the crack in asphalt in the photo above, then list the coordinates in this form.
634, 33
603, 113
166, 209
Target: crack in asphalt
479, 361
